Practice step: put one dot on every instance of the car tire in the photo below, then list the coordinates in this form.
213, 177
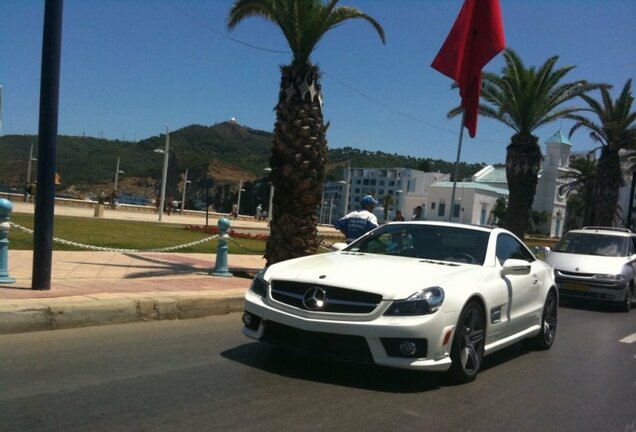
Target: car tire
626, 306
544, 340
467, 349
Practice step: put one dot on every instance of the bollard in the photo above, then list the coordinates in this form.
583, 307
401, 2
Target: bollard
220, 267
5, 215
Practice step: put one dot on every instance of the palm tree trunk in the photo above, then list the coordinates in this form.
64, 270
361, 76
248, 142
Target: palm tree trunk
523, 159
298, 161
610, 180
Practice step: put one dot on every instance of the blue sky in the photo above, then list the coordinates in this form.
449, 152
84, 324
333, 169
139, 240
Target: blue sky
129, 67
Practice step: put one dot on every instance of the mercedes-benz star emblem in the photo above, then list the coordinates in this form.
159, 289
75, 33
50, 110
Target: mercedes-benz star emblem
315, 298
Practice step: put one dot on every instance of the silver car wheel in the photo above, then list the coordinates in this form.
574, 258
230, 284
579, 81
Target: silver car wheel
471, 353
550, 319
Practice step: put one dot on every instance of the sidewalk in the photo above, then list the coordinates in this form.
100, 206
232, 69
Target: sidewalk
96, 288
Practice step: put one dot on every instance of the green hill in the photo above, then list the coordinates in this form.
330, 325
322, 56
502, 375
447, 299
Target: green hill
226, 152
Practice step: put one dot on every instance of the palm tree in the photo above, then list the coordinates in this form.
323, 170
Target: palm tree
300, 145
524, 99
614, 131
585, 182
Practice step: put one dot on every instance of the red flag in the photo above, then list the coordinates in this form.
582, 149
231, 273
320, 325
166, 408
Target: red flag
476, 37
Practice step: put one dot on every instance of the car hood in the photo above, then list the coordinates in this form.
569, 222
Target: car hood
391, 277
585, 263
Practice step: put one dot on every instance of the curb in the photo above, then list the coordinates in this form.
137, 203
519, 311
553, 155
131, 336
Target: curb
29, 315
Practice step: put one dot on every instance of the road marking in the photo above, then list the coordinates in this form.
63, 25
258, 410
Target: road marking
629, 339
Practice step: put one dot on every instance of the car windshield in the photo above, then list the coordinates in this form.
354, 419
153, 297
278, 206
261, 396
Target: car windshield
443, 243
593, 244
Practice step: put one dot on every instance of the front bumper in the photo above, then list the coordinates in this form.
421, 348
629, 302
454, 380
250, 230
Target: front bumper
375, 340
587, 288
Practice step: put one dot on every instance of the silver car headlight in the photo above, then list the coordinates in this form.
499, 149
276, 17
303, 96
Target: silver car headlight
610, 277
259, 284
424, 302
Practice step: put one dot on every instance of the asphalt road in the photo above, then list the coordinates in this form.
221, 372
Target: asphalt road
203, 375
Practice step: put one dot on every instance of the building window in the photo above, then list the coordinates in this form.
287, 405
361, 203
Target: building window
381, 182
358, 181
442, 208
432, 206
391, 183
365, 182
381, 192
372, 182
357, 190
456, 210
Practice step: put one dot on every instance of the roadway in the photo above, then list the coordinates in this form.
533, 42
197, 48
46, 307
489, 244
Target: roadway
203, 375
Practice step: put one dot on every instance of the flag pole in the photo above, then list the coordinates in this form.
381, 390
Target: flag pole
459, 152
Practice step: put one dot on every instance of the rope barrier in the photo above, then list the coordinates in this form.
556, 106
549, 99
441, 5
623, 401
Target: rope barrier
108, 249
243, 247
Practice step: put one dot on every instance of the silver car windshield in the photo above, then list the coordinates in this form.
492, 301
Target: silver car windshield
432, 242
593, 244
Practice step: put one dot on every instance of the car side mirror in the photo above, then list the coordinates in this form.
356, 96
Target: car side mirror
339, 246
515, 267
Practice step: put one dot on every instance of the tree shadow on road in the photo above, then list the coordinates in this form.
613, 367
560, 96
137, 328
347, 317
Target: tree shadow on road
170, 265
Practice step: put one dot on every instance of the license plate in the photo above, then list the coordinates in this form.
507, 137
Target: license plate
575, 286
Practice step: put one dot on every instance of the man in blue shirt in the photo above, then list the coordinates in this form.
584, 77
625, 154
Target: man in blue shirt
359, 222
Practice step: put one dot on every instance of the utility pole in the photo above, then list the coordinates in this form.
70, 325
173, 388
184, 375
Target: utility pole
164, 175
183, 195
238, 200
0, 110
49, 106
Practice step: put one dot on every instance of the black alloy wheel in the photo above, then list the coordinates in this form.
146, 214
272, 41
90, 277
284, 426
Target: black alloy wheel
544, 340
467, 351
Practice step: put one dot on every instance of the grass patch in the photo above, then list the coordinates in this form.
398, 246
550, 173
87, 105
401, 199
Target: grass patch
124, 235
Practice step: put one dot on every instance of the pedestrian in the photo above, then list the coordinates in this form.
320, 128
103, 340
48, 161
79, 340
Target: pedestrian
359, 222
418, 213
168, 204
235, 210
259, 210
398, 216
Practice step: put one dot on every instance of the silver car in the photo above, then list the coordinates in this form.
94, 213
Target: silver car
596, 263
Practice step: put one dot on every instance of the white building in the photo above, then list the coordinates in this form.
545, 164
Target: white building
550, 196
408, 187
475, 200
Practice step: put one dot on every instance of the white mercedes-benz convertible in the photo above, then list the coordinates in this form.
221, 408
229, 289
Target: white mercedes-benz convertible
416, 295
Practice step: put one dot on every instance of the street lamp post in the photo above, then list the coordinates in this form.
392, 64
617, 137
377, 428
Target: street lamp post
397, 202
117, 172
164, 175
271, 195
238, 199
346, 191
183, 194
31, 159
331, 206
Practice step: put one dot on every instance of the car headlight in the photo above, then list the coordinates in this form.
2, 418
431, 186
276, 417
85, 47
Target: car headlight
424, 302
259, 284
609, 277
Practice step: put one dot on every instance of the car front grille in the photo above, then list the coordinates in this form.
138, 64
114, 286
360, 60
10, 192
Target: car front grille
337, 300
575, 274
329, 345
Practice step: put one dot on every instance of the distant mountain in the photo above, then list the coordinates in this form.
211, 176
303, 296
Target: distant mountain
226, 152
